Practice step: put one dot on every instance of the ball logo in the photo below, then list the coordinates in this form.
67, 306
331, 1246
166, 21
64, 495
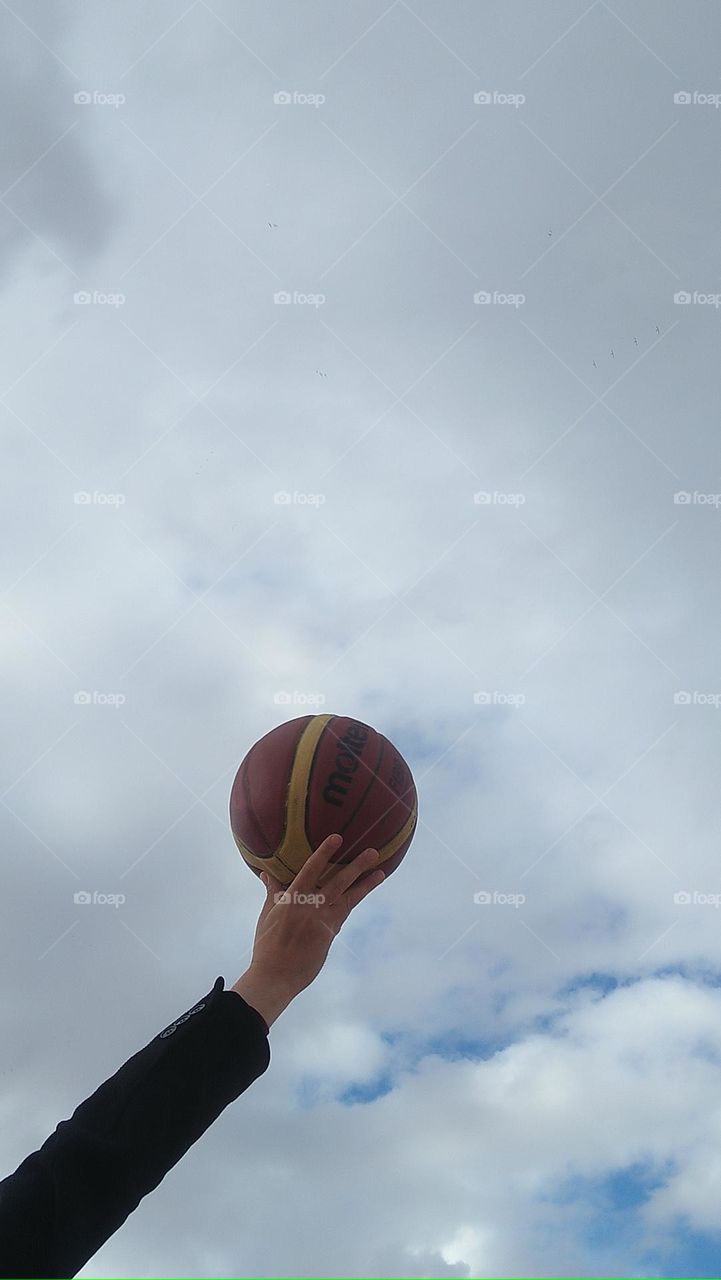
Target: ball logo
350, 749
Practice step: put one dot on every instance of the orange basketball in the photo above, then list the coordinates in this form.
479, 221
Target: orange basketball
316, 775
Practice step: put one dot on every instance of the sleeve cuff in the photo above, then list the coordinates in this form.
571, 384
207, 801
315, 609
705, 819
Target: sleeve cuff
219, 983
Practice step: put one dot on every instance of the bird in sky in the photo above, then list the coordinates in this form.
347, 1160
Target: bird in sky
321, 374
595, 365
636, 341
272, 224
657, 329
612, 355
550, 233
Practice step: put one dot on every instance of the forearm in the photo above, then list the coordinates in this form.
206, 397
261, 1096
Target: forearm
267, 996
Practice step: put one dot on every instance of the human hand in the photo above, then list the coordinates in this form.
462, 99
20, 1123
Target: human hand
298, 923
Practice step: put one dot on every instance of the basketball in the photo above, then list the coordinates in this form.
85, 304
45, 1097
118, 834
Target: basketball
314, 776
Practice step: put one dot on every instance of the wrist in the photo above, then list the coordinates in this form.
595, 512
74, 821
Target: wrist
267, 996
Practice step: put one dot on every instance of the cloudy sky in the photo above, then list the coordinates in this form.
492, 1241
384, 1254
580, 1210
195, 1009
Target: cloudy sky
364, 359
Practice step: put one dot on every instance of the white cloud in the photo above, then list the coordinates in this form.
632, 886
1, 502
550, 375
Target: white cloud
198, 598
469, 1160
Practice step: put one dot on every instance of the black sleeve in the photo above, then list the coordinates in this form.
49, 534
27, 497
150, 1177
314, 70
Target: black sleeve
66, 1199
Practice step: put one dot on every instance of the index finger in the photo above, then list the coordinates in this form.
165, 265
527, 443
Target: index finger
311, 871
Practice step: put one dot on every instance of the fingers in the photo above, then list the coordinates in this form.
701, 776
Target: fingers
262, 921
270, 882
320, 872
310, 873
345, 876
361, 891
272, 887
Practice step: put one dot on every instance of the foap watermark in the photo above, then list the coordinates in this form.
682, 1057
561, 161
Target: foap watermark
95, 98
686, 299
293, 98
492, 498
96, 698
285, 499
301, 899
96, 499
695, 698
488, 898
694, 898
687, 98
283, 298
497, 698
685, 499
84, 298
95, 899
495, 98
296, 698
484, 298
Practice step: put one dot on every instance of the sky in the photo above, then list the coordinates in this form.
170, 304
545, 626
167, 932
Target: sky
363, 359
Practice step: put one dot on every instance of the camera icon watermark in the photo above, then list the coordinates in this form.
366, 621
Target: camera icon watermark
84, 298
486, 898
683, 498
95, 698
492, 498
295, 698
484, 298
84, 499
694, 898
696, 698
497, 698
283, 298
287, 898
283, 498
84, 898
94, 98
494, 98
683, 298
684, 98
293, 98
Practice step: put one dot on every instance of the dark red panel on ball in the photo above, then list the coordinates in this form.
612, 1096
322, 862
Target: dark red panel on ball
259, 794
390, 864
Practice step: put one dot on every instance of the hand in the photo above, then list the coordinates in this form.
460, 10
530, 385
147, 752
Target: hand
298, 923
